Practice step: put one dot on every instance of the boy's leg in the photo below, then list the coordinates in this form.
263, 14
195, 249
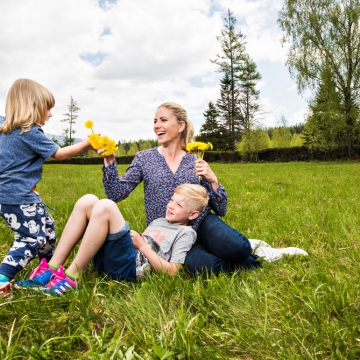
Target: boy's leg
105, 218
74, 228
117, 257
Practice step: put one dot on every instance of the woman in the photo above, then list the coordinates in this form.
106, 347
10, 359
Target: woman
218, 247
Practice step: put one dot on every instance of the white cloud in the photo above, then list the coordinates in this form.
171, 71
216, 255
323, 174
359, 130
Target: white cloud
122, 59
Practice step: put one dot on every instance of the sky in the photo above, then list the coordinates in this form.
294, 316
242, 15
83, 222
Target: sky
121, 59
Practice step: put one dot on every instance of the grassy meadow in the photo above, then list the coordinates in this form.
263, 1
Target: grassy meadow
298, 308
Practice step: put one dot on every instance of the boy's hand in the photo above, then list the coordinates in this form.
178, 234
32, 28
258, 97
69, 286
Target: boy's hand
137, 239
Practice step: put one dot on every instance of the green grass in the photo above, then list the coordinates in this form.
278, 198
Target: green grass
298, 308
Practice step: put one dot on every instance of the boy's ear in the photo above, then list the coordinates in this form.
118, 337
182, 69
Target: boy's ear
193, 215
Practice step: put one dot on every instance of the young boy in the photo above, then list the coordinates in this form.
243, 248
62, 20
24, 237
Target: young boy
117, 251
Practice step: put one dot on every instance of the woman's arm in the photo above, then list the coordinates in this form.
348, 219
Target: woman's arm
118, 188
217, 193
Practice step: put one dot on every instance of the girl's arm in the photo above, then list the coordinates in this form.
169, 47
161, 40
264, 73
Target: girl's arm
69, 151
155, 261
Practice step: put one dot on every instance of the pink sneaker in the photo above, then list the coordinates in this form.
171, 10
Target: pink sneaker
60, 283
38, 278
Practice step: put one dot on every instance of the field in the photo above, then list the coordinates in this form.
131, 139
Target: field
298, 308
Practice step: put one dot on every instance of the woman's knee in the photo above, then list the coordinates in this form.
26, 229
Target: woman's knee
222, 240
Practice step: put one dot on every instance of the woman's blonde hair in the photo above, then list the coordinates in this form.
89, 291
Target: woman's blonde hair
195, 195
27, 104
179, 112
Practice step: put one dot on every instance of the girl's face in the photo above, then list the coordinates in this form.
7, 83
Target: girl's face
166, 127
49, 115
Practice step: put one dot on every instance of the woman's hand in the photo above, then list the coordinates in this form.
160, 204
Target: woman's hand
202, 168
137, 239
108, 160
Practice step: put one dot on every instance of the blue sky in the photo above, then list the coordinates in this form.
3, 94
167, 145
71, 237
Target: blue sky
121, 59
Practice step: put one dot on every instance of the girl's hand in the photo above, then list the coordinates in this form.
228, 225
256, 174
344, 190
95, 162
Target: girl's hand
137, 239
86, 142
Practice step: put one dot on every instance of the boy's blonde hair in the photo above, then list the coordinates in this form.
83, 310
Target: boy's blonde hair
195, 195
27, 104
187, 136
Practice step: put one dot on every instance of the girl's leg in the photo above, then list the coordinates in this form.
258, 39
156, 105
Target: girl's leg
105, 218
25, 221
74, 228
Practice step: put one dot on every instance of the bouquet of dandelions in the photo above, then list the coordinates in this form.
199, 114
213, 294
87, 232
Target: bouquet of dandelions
198, 148
100, 142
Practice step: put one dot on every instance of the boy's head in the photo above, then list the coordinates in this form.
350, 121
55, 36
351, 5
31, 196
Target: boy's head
186, 203
27, 103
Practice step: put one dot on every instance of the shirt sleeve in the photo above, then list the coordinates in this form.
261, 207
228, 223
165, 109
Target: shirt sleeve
183, 243
217, 199
40, 143
118, 188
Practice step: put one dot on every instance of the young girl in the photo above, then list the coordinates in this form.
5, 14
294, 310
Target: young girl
24, 148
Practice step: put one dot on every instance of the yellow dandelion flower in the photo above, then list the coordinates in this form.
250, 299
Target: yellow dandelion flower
198, 148
94, 141
104, 141
248, 193
100, 142
89, 124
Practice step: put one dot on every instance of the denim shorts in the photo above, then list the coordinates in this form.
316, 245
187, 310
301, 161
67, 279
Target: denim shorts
117, 257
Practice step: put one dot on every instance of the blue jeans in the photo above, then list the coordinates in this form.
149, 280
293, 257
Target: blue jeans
219, 247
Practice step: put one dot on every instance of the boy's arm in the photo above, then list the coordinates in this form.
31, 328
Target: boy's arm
72, 150
155, 261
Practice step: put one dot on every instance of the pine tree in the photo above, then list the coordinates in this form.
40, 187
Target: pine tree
211, 130
248, 78
229, 62
70, 118
325, 127
133, 149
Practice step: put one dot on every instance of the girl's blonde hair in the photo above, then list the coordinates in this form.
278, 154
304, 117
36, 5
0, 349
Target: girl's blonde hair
27, 104
187, 136
195, 195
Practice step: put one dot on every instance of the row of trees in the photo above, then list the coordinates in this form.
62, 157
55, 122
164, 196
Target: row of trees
324, 57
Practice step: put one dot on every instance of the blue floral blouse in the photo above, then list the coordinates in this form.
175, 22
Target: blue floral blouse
159, 184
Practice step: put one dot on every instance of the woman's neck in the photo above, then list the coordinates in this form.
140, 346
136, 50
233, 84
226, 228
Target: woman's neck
172, 155
171, 151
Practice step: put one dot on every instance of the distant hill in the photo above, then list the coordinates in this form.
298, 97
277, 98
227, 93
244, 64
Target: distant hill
60, 139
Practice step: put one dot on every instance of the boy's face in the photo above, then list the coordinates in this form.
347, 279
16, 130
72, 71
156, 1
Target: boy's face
178, 211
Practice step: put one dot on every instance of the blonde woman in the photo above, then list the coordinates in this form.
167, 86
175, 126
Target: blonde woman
219, 247
162, 169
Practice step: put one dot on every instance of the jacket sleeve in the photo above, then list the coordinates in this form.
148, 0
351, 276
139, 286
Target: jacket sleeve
119, 188
217, 199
